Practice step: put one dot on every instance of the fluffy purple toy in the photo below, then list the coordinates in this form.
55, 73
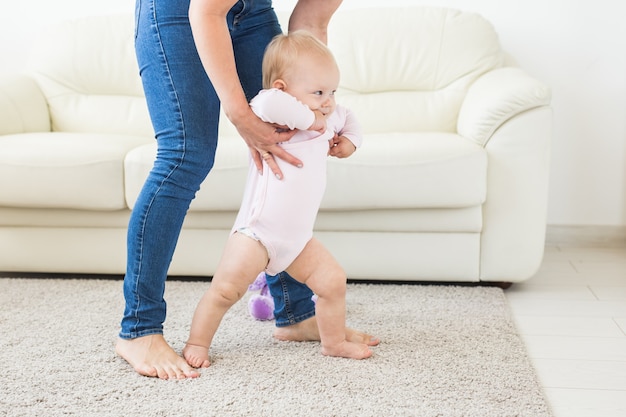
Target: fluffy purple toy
261, 305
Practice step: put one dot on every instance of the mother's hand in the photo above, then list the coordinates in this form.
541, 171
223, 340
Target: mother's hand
262, 139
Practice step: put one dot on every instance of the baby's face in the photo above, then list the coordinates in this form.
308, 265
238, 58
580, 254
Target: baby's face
313, 81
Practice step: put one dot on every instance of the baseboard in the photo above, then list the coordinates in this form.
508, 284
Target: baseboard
586, 236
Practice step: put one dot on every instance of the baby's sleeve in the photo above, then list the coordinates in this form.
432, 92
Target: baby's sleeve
350, 126
276, 106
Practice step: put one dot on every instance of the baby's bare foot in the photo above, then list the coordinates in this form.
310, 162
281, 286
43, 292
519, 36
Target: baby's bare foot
152, 356
307, 330
348, 349
196, 356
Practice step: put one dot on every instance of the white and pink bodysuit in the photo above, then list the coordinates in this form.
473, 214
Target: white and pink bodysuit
281, 213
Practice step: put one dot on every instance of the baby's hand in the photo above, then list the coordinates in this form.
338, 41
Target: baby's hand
319, 125
341, 147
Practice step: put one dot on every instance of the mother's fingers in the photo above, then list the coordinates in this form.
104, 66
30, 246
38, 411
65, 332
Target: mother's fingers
269, 156
269, 160
273, 166
266, 156
256, 157
281, 153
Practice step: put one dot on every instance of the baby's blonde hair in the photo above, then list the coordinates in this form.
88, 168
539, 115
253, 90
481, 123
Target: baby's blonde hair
285, 50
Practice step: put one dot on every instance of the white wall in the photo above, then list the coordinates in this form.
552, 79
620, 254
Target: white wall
578, 47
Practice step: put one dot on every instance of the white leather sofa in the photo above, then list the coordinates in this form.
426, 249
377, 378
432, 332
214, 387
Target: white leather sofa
450, 185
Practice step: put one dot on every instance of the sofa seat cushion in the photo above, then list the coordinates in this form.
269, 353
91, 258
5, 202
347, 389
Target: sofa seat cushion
390, 171
408, 170
447, 220
64, 170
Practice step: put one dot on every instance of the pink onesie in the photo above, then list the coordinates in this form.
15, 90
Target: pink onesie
281, 213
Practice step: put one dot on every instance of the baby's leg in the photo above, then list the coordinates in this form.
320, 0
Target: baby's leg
243, 259
317, 268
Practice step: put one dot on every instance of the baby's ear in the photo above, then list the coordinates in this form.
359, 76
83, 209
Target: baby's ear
279, 84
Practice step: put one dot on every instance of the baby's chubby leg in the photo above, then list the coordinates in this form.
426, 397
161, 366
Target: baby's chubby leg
318, 269
243, 259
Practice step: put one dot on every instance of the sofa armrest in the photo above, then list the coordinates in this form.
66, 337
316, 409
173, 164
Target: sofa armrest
23, 107
496, 97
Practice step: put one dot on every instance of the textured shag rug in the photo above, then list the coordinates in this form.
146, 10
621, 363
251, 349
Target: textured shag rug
446, 351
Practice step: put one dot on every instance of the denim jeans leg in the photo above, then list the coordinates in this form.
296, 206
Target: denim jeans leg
184, 110
292, 300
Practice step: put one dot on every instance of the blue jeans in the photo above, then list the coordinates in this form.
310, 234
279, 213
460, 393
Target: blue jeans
184, 110
292, 300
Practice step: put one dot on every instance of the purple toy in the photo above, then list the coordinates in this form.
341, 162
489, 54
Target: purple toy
261, 305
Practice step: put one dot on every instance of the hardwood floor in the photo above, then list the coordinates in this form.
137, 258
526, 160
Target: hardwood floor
572, 316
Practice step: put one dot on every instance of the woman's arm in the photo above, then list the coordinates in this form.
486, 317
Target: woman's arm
214, 45
313, 15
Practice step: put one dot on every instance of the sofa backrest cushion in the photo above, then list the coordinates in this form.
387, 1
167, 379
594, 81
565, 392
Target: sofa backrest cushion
408, 69
88, 72
403, 69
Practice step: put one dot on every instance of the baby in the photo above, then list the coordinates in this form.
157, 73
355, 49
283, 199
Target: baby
273, 231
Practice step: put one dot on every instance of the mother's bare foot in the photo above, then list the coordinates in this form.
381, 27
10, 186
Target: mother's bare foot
307, 330
152, 356
348, 350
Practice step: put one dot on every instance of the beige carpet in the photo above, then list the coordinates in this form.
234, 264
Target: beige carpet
446, 351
